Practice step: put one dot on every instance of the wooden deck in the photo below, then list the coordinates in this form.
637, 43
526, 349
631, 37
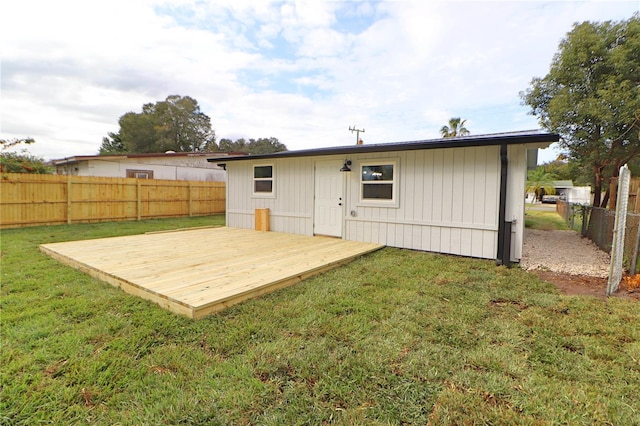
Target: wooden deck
201, 271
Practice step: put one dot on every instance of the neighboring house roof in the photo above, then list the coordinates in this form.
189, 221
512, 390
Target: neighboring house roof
510, 138
79, 158
562, 184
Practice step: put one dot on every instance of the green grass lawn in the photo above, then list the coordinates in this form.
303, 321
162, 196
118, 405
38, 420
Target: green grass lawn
544, 220
397, 337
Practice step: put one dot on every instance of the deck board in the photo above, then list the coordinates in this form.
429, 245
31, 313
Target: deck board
201, 271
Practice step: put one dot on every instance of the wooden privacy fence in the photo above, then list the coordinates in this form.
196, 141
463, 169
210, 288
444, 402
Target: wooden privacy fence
634, 194
29, 199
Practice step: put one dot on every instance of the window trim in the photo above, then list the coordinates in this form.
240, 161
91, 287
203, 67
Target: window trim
133, 173
394, 201
263, 194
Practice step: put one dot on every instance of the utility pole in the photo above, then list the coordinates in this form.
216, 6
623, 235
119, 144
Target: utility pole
353, 129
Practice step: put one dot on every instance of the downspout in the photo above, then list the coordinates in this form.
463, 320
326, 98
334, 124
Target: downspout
504, 229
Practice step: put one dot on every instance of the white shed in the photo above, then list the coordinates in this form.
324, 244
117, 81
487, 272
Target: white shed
462, 196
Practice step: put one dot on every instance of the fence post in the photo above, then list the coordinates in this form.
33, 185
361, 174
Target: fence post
69, 199
634, 257
190, 200
573, 215
139, 199
617, 248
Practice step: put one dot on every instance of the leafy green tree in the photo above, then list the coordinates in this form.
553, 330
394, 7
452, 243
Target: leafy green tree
112, 144
454, 129
254, 146
12, 161
138, 132
265, 146
227, 145
210, 146
591, 98
559, 168
563, 169
175, 124
182, 126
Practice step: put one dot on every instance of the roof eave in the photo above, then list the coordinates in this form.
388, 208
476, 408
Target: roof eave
537, 140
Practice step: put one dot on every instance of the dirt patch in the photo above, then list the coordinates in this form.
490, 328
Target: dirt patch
574, 264
583, 285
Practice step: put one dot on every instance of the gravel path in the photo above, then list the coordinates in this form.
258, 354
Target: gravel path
564, 252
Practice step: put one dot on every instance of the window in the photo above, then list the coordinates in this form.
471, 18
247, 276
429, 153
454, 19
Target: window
140, 174
263, 179
378, 182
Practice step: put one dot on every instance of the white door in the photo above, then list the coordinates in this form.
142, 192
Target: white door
328, 209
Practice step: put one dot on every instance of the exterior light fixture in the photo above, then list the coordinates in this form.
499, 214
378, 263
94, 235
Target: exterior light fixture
346, 167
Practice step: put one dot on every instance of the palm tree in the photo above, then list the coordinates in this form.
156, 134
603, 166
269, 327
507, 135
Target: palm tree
455, 128
540, 182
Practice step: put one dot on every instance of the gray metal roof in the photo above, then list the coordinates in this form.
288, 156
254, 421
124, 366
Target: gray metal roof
510, 138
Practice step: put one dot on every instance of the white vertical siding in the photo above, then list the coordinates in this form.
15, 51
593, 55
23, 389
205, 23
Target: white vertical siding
291, 210
448, 202
448, 199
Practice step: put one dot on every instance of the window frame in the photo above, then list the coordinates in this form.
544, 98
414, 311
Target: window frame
380, 202
272, 179
137, 174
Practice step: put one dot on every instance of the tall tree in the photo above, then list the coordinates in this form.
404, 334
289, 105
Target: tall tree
175, 124
112, 144
591, 97
182, 126
455, 128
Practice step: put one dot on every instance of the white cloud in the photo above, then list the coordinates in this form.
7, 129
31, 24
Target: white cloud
300, 71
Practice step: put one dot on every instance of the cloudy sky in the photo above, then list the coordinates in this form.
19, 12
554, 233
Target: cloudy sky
301, 71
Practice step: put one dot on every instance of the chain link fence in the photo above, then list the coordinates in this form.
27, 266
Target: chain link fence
596, 223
